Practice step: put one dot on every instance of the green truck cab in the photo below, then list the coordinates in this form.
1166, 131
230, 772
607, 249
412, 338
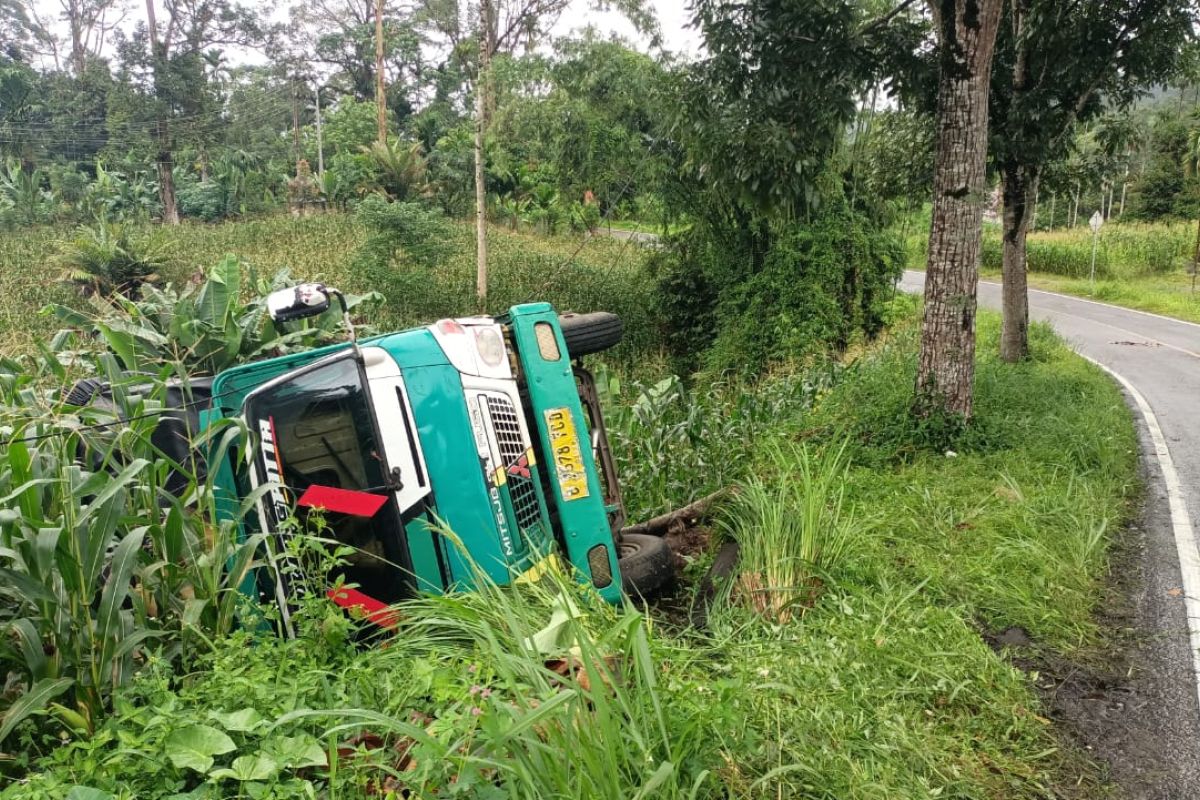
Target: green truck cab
484, 430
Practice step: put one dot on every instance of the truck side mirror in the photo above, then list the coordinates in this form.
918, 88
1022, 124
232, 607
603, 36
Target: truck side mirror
299, 302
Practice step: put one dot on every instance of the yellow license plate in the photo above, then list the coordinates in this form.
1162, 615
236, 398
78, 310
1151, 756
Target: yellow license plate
568, 458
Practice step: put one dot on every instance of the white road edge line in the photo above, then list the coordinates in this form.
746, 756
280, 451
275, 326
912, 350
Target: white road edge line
1181, 524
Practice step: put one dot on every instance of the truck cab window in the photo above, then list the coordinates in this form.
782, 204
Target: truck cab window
317, 430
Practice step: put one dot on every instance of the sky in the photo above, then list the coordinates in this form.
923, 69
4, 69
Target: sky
673, 16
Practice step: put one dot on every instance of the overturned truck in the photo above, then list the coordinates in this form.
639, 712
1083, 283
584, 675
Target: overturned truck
486, 427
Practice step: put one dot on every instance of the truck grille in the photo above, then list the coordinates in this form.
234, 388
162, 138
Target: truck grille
507, 427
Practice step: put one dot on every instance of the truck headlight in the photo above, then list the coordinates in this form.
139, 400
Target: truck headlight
490, 346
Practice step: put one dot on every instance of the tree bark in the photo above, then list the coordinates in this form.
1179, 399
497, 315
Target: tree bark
162, 127
946, 368
1019, 185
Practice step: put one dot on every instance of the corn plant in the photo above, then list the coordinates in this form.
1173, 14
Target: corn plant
99, 562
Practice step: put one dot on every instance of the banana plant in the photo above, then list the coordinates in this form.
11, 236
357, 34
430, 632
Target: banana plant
202, 329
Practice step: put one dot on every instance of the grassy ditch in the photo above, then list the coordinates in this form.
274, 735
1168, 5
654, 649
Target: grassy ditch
875, 683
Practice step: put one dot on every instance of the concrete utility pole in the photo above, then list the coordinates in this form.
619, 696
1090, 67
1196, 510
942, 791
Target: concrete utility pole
380, 101
481, 105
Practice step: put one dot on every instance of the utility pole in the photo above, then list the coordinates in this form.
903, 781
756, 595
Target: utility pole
481, 105
320, 145
380, 102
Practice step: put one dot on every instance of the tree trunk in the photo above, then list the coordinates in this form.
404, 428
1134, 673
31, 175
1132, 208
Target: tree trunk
166, 158
166, 174
946, 369
1019, 186
1053, 200
75, 22
1124, 188
481, 105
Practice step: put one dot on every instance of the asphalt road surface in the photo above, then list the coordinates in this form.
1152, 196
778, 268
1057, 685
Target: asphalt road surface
1150, 730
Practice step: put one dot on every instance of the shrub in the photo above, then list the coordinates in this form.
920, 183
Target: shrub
781, 292
419, 235
110, 258
202, 200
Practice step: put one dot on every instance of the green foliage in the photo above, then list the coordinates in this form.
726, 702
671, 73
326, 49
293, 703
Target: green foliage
784, 291
764, 112
420, 235
399, 168
110, 257
202, 328
101, 564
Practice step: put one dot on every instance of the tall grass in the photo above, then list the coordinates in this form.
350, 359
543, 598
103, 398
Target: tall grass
790, 526
1124, 250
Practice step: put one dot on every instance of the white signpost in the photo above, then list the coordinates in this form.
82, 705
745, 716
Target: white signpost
1094, 223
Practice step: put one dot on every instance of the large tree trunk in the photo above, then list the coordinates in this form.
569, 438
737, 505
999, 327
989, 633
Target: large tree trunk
1019, 187
946, 369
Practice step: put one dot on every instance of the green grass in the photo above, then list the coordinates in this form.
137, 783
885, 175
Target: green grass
644, 227
1170, 294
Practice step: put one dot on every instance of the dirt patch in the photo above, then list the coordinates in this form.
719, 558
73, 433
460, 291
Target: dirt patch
688, 545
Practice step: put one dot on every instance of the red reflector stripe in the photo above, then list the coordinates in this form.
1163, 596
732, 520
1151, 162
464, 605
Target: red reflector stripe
343, 501
373, 610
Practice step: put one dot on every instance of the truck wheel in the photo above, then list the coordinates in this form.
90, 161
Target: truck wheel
645, 562
590, 333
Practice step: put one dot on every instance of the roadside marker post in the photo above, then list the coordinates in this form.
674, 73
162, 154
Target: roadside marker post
1094, 223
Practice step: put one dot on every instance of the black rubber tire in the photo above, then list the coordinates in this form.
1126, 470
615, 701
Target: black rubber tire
83, 391
590, 333
646, 564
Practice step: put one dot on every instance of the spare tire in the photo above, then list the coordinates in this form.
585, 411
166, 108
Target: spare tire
646, 564
590, 333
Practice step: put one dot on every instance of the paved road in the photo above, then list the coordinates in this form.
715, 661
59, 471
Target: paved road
1154, 746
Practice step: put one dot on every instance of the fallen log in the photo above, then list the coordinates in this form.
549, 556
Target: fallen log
684, 517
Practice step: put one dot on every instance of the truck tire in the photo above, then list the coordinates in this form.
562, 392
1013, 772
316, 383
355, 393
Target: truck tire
83, 391
590, 333
646, 564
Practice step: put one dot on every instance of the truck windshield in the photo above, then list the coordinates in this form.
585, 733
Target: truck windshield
316, 432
